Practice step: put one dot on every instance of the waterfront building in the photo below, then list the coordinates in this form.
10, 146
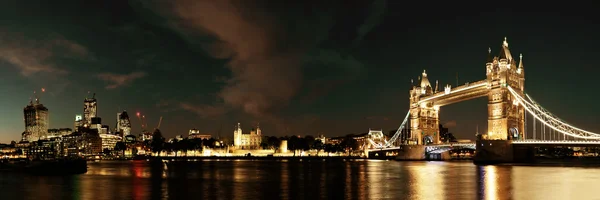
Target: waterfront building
109, 141
73, 144
36, 119
250, 140
195, 134
321, 138
45, 149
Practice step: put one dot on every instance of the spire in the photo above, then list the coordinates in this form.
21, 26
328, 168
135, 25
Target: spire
520, 68
425, 80
490, 58
504, 52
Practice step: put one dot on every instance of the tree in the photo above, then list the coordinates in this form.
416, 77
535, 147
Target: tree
293, 144
121, 147
273, 142
349, 143
106, 151
318, 145
307, 142
157, 142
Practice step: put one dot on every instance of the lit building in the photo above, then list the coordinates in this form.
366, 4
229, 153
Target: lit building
250, 140
146, 136
45, 149
92, 142
123, 127
195, 134
36, 121
90, 108
109, 141
321, 138
104, 130
96, 123
78, 122
73, 144
52, 133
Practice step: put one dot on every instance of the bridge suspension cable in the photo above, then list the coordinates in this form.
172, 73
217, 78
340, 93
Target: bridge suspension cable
547, 118
390, 142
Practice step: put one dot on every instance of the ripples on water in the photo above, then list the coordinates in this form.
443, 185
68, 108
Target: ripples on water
306, 180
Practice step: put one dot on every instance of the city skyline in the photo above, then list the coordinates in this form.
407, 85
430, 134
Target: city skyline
346, 69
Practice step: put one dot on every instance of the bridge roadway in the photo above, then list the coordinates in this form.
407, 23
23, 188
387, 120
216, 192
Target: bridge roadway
433, 148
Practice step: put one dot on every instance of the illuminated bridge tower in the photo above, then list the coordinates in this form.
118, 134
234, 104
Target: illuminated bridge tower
506, 118
424, 121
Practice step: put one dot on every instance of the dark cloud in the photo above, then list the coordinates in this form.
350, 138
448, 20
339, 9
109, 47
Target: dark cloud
268, 47
376, 14
119, 80
204, 111
265, 63
450, 124
33, 55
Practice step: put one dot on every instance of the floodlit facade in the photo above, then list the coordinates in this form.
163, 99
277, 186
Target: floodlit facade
506, 116
36, 119
109, 141
250, 140
90, 108
123, 124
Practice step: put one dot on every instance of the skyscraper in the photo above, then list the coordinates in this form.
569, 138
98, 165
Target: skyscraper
123, 124
36, 121
89, 110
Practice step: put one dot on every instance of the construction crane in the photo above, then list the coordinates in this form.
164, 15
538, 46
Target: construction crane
159, 122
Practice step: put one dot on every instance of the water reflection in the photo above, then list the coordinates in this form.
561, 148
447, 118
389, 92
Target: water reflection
305, 180
495, 182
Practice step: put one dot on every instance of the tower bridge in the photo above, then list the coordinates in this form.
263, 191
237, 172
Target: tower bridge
508, 106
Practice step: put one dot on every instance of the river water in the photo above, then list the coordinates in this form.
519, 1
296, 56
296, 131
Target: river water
360, 179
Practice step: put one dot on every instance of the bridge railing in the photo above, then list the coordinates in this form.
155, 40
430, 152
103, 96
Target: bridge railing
556, 142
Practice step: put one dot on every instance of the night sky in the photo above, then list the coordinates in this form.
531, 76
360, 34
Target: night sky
295, 67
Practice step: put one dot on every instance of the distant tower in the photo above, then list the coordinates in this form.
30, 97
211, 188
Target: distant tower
237, 135
36, 119
123, 124
258, 132
89, 110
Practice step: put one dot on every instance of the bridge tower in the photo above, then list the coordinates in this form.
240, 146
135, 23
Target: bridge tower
424, 118
506, 118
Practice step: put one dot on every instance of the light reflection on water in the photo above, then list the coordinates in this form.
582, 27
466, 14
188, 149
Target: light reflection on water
140, 180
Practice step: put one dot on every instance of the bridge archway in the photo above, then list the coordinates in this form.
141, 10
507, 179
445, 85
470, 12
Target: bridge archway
514, 133
428, 139
504, 111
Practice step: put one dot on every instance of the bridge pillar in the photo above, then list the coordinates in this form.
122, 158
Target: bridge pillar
506, 118
424, 117
493, 152
411, 152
